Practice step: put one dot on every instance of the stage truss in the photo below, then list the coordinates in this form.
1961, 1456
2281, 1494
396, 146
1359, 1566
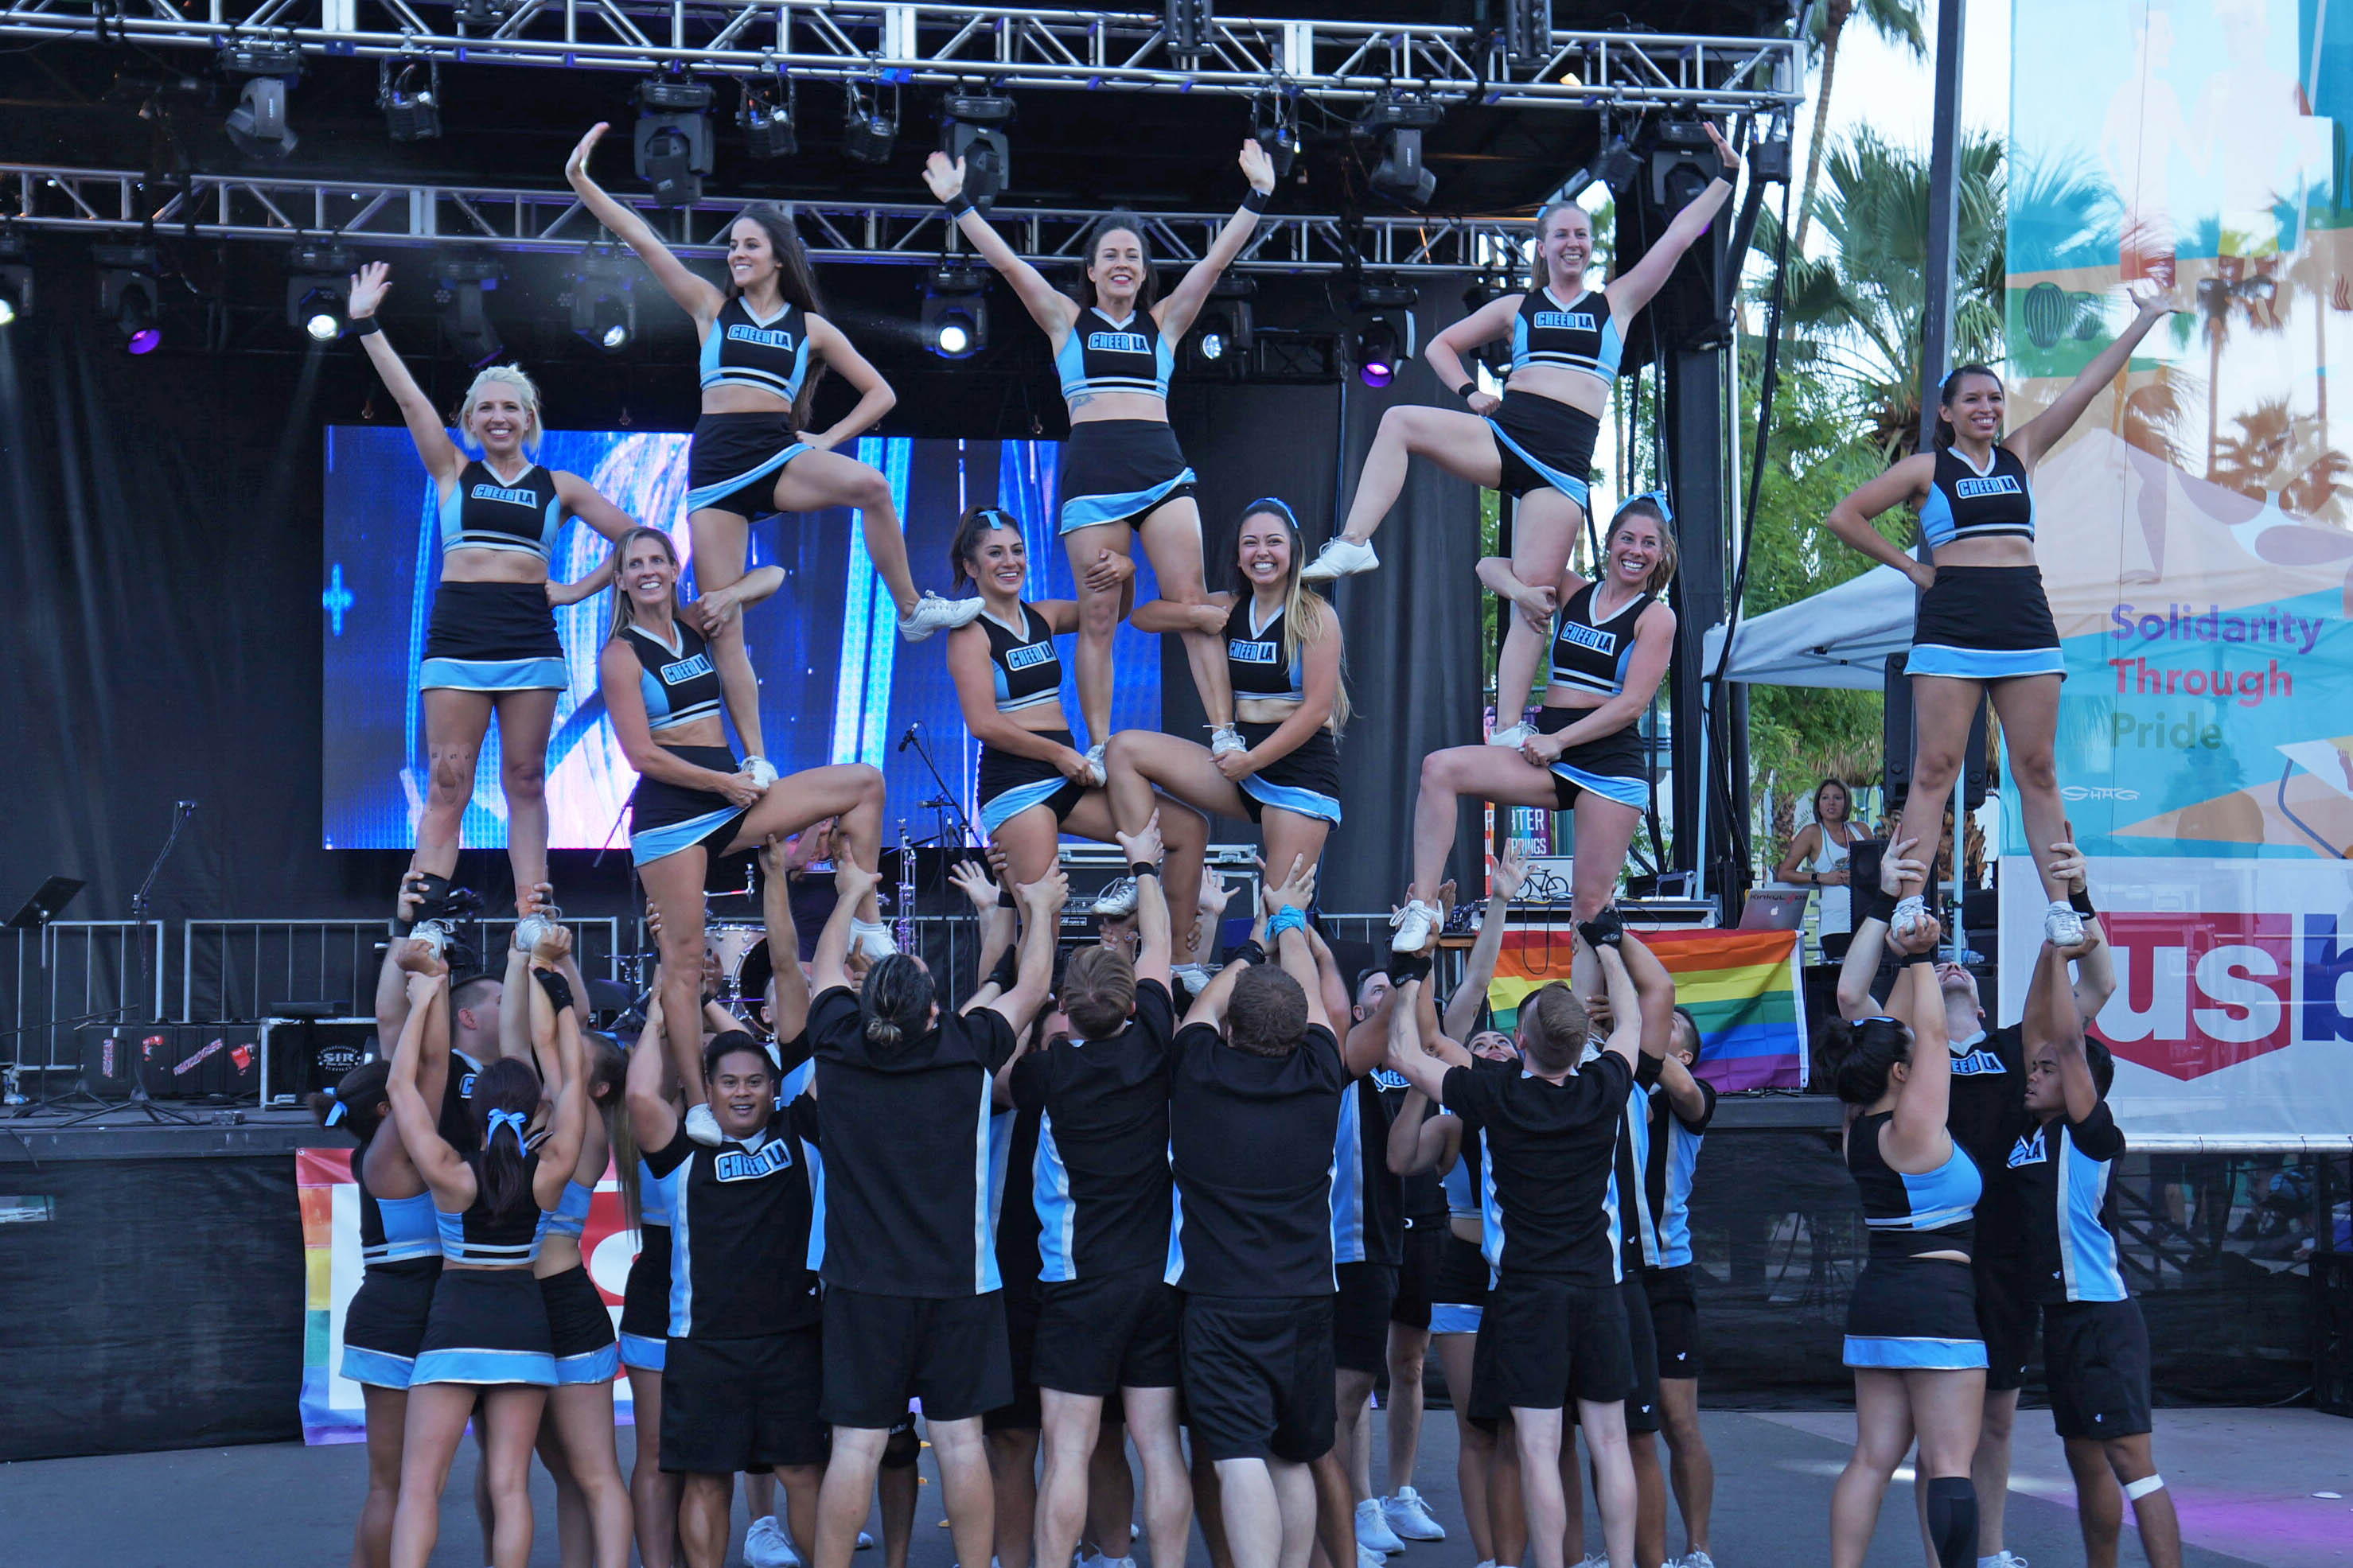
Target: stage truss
1006, 46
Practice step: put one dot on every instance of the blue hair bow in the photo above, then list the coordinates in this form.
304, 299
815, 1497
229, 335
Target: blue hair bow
511, 1120
1659, 499
336, 1111
1275, 505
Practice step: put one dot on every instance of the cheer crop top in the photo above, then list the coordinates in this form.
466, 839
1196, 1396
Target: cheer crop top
1590, 657
1025, 666
678, 683
1908, 1212
1966, 504
1104, 355
479, 1237
741, 349
1255, 658
394, 1230
570, 1215
485, 512
1577, 336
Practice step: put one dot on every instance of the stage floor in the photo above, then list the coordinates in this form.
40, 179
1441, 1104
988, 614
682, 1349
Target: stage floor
2242, 1479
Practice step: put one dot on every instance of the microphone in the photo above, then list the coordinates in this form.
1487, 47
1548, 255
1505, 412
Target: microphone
914, 728
937, 803
186, 807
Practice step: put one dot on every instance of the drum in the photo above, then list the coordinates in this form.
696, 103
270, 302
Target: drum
729, 945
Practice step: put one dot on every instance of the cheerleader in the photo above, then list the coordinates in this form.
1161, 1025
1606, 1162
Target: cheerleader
486, 1338
1285, 664
491, 644
692, 797
1122, 469
1984, 626
765, 345
1035, 785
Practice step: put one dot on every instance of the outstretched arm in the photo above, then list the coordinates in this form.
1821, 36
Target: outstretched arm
1479, 967
2064, 1027
434, 449
851, 883
417, 1121
696, 295
1918, 1128
2031, 441
1639, 284
1042, 911
1654, 994
788, 987
1152, 956
1176, 313
654, 1120
1047, 306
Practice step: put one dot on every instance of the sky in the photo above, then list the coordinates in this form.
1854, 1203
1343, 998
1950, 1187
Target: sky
1882, 86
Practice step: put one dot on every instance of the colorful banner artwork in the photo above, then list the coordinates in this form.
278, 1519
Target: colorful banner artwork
1742, 986
2194, 536
332, 1407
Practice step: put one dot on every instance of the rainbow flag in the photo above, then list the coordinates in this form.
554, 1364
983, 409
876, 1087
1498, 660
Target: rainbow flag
1742, 986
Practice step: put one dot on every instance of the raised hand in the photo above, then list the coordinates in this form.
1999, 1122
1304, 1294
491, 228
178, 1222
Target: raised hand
971, 878
576, 167
370, 284
1900, 874
946, 179
1143, 848
1511, 869
1257, 167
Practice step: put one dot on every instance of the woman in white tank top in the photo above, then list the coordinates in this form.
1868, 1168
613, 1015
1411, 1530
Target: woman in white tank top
1818, 857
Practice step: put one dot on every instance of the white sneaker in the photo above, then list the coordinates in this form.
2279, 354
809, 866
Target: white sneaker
766, 1546
2061, 927
1593, 1560
1910, 915
1096, 775
1414, 923
1702, 1560
1373, 1530
872, 938
1340, 557
1368, 1558
865, 1542
702, 1126
934, 614
1117, 901
1191, 976
763, 771
1410, 1517
1512, 737
1999, 1560
1225, 738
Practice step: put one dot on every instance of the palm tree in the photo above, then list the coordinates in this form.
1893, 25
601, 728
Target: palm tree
1897, 21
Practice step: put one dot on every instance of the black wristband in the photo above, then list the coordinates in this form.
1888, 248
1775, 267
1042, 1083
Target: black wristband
1909, 959
1404, 967
1466, 389
1141, 868
2080, 900
957, 206
1249, 952
1256, 200
1004, 898
1007, 973
366, 326
558, 989
1879, 905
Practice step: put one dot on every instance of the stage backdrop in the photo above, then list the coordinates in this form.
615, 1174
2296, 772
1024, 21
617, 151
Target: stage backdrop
837, 684
2195, 537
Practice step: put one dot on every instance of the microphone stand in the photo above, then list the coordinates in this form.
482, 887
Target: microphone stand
140, 1098
964, 824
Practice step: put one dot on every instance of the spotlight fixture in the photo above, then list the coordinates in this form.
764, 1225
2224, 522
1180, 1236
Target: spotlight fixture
1683, 163
409, 93
1527, 30
673, 138
127, 294
1384, 342
1222, 335
258, 125
1396, 124
481, 17
955, 311
318, 286
604, 312
868, 132
15, 281
766, 115
972, 127
1187, 25
1615, 166
463, 283
1274, 126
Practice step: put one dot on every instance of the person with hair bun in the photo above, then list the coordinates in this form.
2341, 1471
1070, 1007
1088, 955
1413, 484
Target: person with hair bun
1123, 477
491, 646
913, 1303
765, 345
1984, 626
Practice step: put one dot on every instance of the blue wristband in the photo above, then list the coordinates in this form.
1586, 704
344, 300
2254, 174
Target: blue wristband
1291, 917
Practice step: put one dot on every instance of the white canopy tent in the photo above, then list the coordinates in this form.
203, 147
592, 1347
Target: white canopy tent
1842, 636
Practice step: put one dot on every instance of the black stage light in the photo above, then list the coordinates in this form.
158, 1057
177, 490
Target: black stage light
1616, 166
127, 294
1683, 163
972, 127
1222, 336
1187, 24
464, 282
955, 311
1378, 352
318, 285
604, 312
1274, 126
15, 281
1397, 124
868, 132
483, 17
1527, 30
258, 125
409, 93
673, 138
766, 116
1384, 342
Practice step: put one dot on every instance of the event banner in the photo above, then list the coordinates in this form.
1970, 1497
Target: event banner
332, 1408
2194, 538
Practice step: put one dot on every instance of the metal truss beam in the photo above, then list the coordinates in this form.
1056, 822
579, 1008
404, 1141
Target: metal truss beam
870, 41
261, 207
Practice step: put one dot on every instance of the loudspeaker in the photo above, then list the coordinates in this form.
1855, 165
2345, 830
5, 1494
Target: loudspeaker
301, 1055
172, 1061
1896, 737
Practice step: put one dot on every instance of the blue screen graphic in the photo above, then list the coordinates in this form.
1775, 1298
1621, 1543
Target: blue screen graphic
837, 684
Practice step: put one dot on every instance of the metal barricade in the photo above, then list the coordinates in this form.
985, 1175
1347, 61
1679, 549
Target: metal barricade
55, 977
244, 970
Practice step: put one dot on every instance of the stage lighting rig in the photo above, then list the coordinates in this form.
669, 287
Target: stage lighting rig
1681, 163
463, 282
1396, 123
127, 294
1274, 126
1187, 24
767, 116
955, 311
673, 138
409, 93
868, 132
15, 281
318, 288
604, 312
482, 17
1615, 166
1222, 338
258, 125
1384, 342
1527, 30
972, 127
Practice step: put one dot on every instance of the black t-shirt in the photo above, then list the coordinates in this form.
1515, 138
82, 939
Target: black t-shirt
1099, 1185
1986, 1116
1251, 1142
1549, 1149
1368, 1203
905, 1136
1423, 1193
2059, 1171
739, 1237
1013, 1153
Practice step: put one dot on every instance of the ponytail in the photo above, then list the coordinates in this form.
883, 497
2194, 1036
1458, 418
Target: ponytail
505, 1094
356, 1103
1874, 1048
895, 1003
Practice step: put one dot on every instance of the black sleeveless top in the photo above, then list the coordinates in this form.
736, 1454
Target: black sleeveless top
1911, 1212
394, 1230
679, 684
1104, 355
1578, 335
1255, 660
1026, 669
1590, 657
485, 512
1966, 504
743, 351
479, 1237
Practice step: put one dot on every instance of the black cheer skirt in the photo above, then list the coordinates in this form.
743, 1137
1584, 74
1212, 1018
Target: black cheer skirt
1117, 470
1613, 767
384, 1323
1986, 623
1305, 782
486, 1326
665, 818
732, 459
1545, 445
493, 637
1011, 784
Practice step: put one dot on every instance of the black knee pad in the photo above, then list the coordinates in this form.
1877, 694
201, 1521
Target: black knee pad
898, 1453
1953, 1521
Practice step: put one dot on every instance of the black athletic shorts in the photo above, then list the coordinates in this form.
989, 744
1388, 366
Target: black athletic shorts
949, 1352
1613, 767
1674, 1320
1099, 1335
2006, 1321
742, 1404
1011, 783
1257, 1376
1120, 470
1642, 1345
1304, 779
2096, 1362
1545, 443
1544, 1344
1425, 1245
384, 1323
1360, 1317
1022, 1413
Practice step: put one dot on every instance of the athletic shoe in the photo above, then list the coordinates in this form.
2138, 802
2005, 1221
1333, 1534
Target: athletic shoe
1593, 1560
934, 614
1702, 1560
1117, 901
2062, 926
1414, 923
702, 1126
865, 1542
1512, 738
532, 927
763, 771
766, 1546
872, 938
1368, 1558
1911, 914
1191, 976
1096, 775
434, 934
1226, 738
1999, 1560
1340, 557
1411, 1517
1373, 1530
